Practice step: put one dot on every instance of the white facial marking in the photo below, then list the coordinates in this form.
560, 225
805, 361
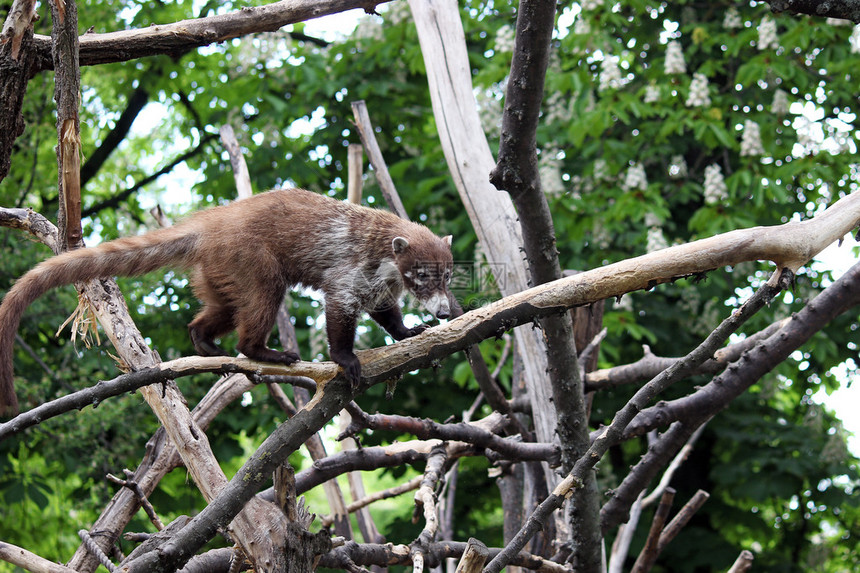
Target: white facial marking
437, 304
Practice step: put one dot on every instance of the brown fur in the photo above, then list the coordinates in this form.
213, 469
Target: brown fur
244, 256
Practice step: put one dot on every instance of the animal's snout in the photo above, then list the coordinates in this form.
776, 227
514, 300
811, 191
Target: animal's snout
438, 305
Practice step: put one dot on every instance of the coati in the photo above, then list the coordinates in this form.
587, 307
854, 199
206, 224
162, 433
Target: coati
245, 255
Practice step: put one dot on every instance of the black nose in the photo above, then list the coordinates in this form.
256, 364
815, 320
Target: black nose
443, 314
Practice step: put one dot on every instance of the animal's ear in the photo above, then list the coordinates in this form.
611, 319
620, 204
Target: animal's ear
399, 244
448, 239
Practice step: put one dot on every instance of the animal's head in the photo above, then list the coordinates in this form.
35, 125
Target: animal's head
426, 266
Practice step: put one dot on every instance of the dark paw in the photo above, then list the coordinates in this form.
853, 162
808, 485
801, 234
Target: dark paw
208, 348
351, 368
288, 357
204, 345
416, 330
265, 354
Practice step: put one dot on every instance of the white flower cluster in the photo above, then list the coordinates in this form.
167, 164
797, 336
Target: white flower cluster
368, 28
698, 96
581, 27
652, 220
656, 240
780, 104
601, 170
635, 178
558, 110
652, 94
610, 74
715, 185
854, 40
767, 38
677, 167
807, 131
675, 63
398, 12
549, 167
590, 4
732, 19
751, 139
490, 111
505, 38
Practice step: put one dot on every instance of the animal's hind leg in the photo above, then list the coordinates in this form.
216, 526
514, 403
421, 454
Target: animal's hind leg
210, 323
254, 322
215, 319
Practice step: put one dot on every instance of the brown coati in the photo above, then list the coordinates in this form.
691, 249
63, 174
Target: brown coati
245, 255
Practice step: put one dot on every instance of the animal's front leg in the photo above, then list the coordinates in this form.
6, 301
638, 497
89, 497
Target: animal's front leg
340, 327
392, 321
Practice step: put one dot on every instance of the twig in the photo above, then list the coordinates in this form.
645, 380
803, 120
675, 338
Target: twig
141, 497
474, 557
621, 545
237, 160
29, 561
425, 498
126, 193
743, 563
649, 553
390, 554
589, 350
503, 357
480, 433
613, 433
378, 496
677, 524
673, 466
177, 38
366, 525
374, 154
650, 365
354, 166
626, 530
281, 399
164, 372
160, 216
38, 360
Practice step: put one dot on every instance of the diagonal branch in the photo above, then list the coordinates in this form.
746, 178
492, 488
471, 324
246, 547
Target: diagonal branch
179, 37
612, 434
136, 102
845, 9
17, 59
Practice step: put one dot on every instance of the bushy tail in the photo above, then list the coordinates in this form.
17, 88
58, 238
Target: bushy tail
130, 256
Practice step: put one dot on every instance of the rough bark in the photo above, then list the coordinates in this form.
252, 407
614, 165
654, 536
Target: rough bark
67, 89
517, 173
177, 38
845, 9
467, 152
16, 62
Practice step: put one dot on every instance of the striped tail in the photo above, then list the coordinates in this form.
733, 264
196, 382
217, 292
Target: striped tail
129, 256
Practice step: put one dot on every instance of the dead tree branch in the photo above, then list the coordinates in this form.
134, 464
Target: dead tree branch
844, 9
177, 38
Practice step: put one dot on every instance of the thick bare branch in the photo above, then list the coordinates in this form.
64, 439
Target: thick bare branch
29, 561
17, 58
612, 434
180, 37
388, 554
844, 9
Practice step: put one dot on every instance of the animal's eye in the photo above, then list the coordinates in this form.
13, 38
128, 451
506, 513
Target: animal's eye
447, 277
422, 274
